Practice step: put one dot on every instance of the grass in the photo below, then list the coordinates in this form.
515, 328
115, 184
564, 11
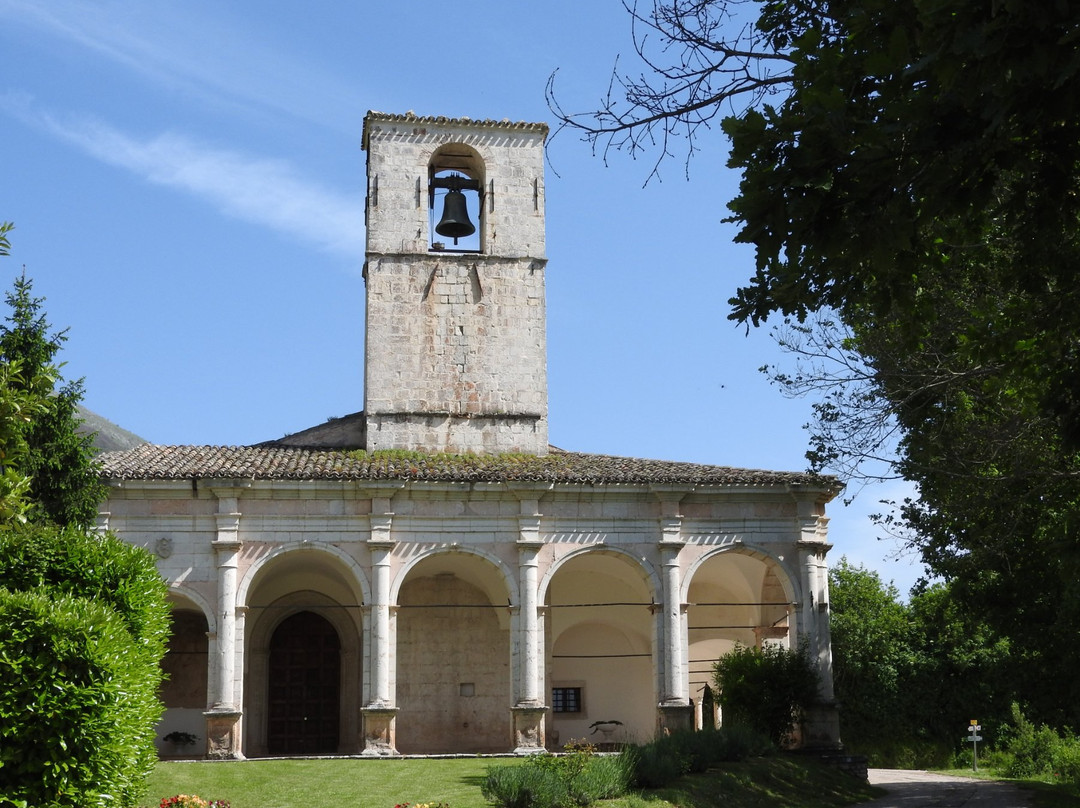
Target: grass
774, 781
317, 783
767, 782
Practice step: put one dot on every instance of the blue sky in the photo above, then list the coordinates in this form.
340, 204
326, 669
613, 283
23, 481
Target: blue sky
186, 183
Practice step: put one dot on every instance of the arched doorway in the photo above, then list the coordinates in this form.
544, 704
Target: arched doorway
304, 688
318, 580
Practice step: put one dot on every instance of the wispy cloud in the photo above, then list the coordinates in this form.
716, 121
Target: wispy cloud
263, 191
213, 57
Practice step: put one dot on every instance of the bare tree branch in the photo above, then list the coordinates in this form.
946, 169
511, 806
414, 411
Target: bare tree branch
699, 59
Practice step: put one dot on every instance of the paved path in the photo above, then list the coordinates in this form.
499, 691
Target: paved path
917, 789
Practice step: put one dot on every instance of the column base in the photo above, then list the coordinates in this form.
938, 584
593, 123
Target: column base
223, 734
379, 732
821, 728
674, 717
529, 738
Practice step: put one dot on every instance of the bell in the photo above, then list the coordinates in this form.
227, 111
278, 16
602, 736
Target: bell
455, 222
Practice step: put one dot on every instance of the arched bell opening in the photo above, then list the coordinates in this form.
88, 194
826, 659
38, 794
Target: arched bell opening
734, 598
456, 200
601, 670
453, 656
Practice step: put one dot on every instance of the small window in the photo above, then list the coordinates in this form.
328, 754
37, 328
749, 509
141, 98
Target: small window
566, 699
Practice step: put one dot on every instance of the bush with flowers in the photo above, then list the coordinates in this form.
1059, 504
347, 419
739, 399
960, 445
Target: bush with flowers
422, 805
191, 801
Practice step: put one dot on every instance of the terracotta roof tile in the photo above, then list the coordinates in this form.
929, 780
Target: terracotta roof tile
150, 462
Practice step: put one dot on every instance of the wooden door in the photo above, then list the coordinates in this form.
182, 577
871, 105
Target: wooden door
304, 687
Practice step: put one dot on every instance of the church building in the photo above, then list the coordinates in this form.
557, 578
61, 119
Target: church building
429, 575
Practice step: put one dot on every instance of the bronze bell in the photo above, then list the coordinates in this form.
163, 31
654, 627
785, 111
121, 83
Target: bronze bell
455, 222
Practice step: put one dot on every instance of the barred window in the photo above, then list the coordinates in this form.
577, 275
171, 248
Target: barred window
566, 699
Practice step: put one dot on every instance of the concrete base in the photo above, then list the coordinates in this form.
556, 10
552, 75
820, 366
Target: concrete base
223, 735
529, 738
379, 732
821, 728
671, 718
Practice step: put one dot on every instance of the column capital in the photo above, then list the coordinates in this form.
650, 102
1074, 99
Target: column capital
529, 532
381, 526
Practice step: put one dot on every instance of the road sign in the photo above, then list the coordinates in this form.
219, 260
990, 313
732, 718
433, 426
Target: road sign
974, 738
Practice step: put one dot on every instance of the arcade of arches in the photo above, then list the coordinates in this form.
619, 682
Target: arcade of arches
418, 647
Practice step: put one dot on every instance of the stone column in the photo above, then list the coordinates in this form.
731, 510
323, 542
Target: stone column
380, 713
223, 738
675, 712
529, 710
822, 729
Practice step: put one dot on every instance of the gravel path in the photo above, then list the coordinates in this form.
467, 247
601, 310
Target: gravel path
918, 789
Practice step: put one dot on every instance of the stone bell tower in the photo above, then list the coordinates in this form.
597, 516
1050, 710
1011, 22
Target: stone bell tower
456, 349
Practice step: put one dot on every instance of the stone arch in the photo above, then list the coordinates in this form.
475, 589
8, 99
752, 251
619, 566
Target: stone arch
452, 627
303, 578
507, 577
462, 160
647, 570
186, 665
739, 594
182, 596
356, 580
600, 636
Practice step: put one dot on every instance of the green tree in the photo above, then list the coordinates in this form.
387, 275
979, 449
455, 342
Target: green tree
914, 178
23, 398
872, 655
965, 669
64, 484
909, 677
766, 689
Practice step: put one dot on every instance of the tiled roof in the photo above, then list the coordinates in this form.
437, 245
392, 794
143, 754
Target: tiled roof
412, 119
152, 462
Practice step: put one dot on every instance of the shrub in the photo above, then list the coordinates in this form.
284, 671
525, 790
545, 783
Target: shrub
1032, 748
1066, 763
669, 757
524, 786
904, 752
657, 764
88, 565
577, 778
766, 689
83, 622
603, 778
75, 721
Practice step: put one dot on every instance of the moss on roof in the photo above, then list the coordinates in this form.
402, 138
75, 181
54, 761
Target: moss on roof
152, 462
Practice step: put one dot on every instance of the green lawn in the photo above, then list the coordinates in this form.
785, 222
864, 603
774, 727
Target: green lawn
345, 783
338, 783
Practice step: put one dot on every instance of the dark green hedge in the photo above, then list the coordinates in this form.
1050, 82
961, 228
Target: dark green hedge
83, 624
